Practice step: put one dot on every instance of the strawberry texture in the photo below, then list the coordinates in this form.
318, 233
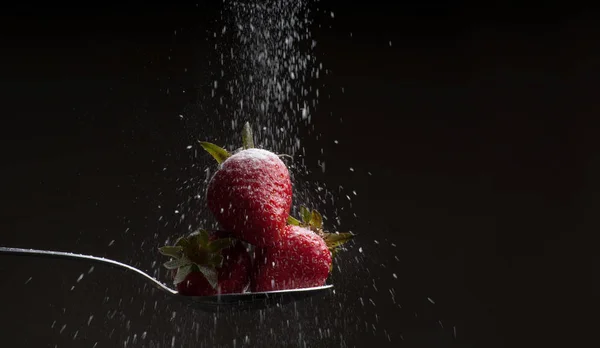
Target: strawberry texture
251, 196
300, 260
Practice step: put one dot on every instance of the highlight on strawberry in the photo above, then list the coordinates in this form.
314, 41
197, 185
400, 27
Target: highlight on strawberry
250, 196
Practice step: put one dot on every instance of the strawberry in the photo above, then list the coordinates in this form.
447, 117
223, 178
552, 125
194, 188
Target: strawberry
251, 192
205, 265
302, 259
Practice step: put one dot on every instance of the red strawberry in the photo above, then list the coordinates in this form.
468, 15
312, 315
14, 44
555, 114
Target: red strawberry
205, 265
251, 193
302, 259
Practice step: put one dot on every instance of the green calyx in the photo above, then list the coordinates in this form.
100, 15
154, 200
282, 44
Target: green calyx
220, 154
247, 137
313, 220
196, 253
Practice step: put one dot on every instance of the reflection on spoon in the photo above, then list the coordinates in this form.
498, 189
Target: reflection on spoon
254, 300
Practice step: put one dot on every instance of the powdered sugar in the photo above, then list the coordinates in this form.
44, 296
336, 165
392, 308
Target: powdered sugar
252, 189
257, 155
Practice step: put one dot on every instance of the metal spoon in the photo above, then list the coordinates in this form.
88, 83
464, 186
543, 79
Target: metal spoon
251, 300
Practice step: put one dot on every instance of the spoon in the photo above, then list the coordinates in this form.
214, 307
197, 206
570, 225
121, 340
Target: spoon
250, 300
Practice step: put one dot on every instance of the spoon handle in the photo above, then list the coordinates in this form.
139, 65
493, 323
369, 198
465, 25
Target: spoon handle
85, 258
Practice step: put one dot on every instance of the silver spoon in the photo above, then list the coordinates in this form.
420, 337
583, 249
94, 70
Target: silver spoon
250, 300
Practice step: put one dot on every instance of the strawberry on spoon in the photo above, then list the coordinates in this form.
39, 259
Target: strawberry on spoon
251, 192
303, 259
205, 265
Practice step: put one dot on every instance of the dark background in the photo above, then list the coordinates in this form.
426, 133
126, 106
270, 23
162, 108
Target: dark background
472, 140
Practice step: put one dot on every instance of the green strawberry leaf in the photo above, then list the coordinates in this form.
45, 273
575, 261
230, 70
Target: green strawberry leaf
210, 273
334, 240
217, 152
172, 251
196, 253
199, 256
293, 221
182, 242
306, 215
220, 244
182, 272
189, 249
316, 220
215, 260
176, 263
247, 136
199, 238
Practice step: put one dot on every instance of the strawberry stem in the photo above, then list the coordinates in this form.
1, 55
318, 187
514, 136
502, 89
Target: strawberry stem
247, 136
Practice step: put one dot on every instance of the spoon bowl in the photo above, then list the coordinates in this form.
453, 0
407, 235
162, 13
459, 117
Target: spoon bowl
252, 300
248, 300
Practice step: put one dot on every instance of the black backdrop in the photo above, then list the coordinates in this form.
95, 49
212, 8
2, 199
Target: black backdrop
472, 143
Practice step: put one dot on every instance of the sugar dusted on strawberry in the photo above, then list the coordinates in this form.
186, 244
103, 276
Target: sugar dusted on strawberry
251, 195
256, 155
301, 260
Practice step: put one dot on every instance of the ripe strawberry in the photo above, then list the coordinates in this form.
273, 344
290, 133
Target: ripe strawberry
205, 265
302, 259
251, 192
